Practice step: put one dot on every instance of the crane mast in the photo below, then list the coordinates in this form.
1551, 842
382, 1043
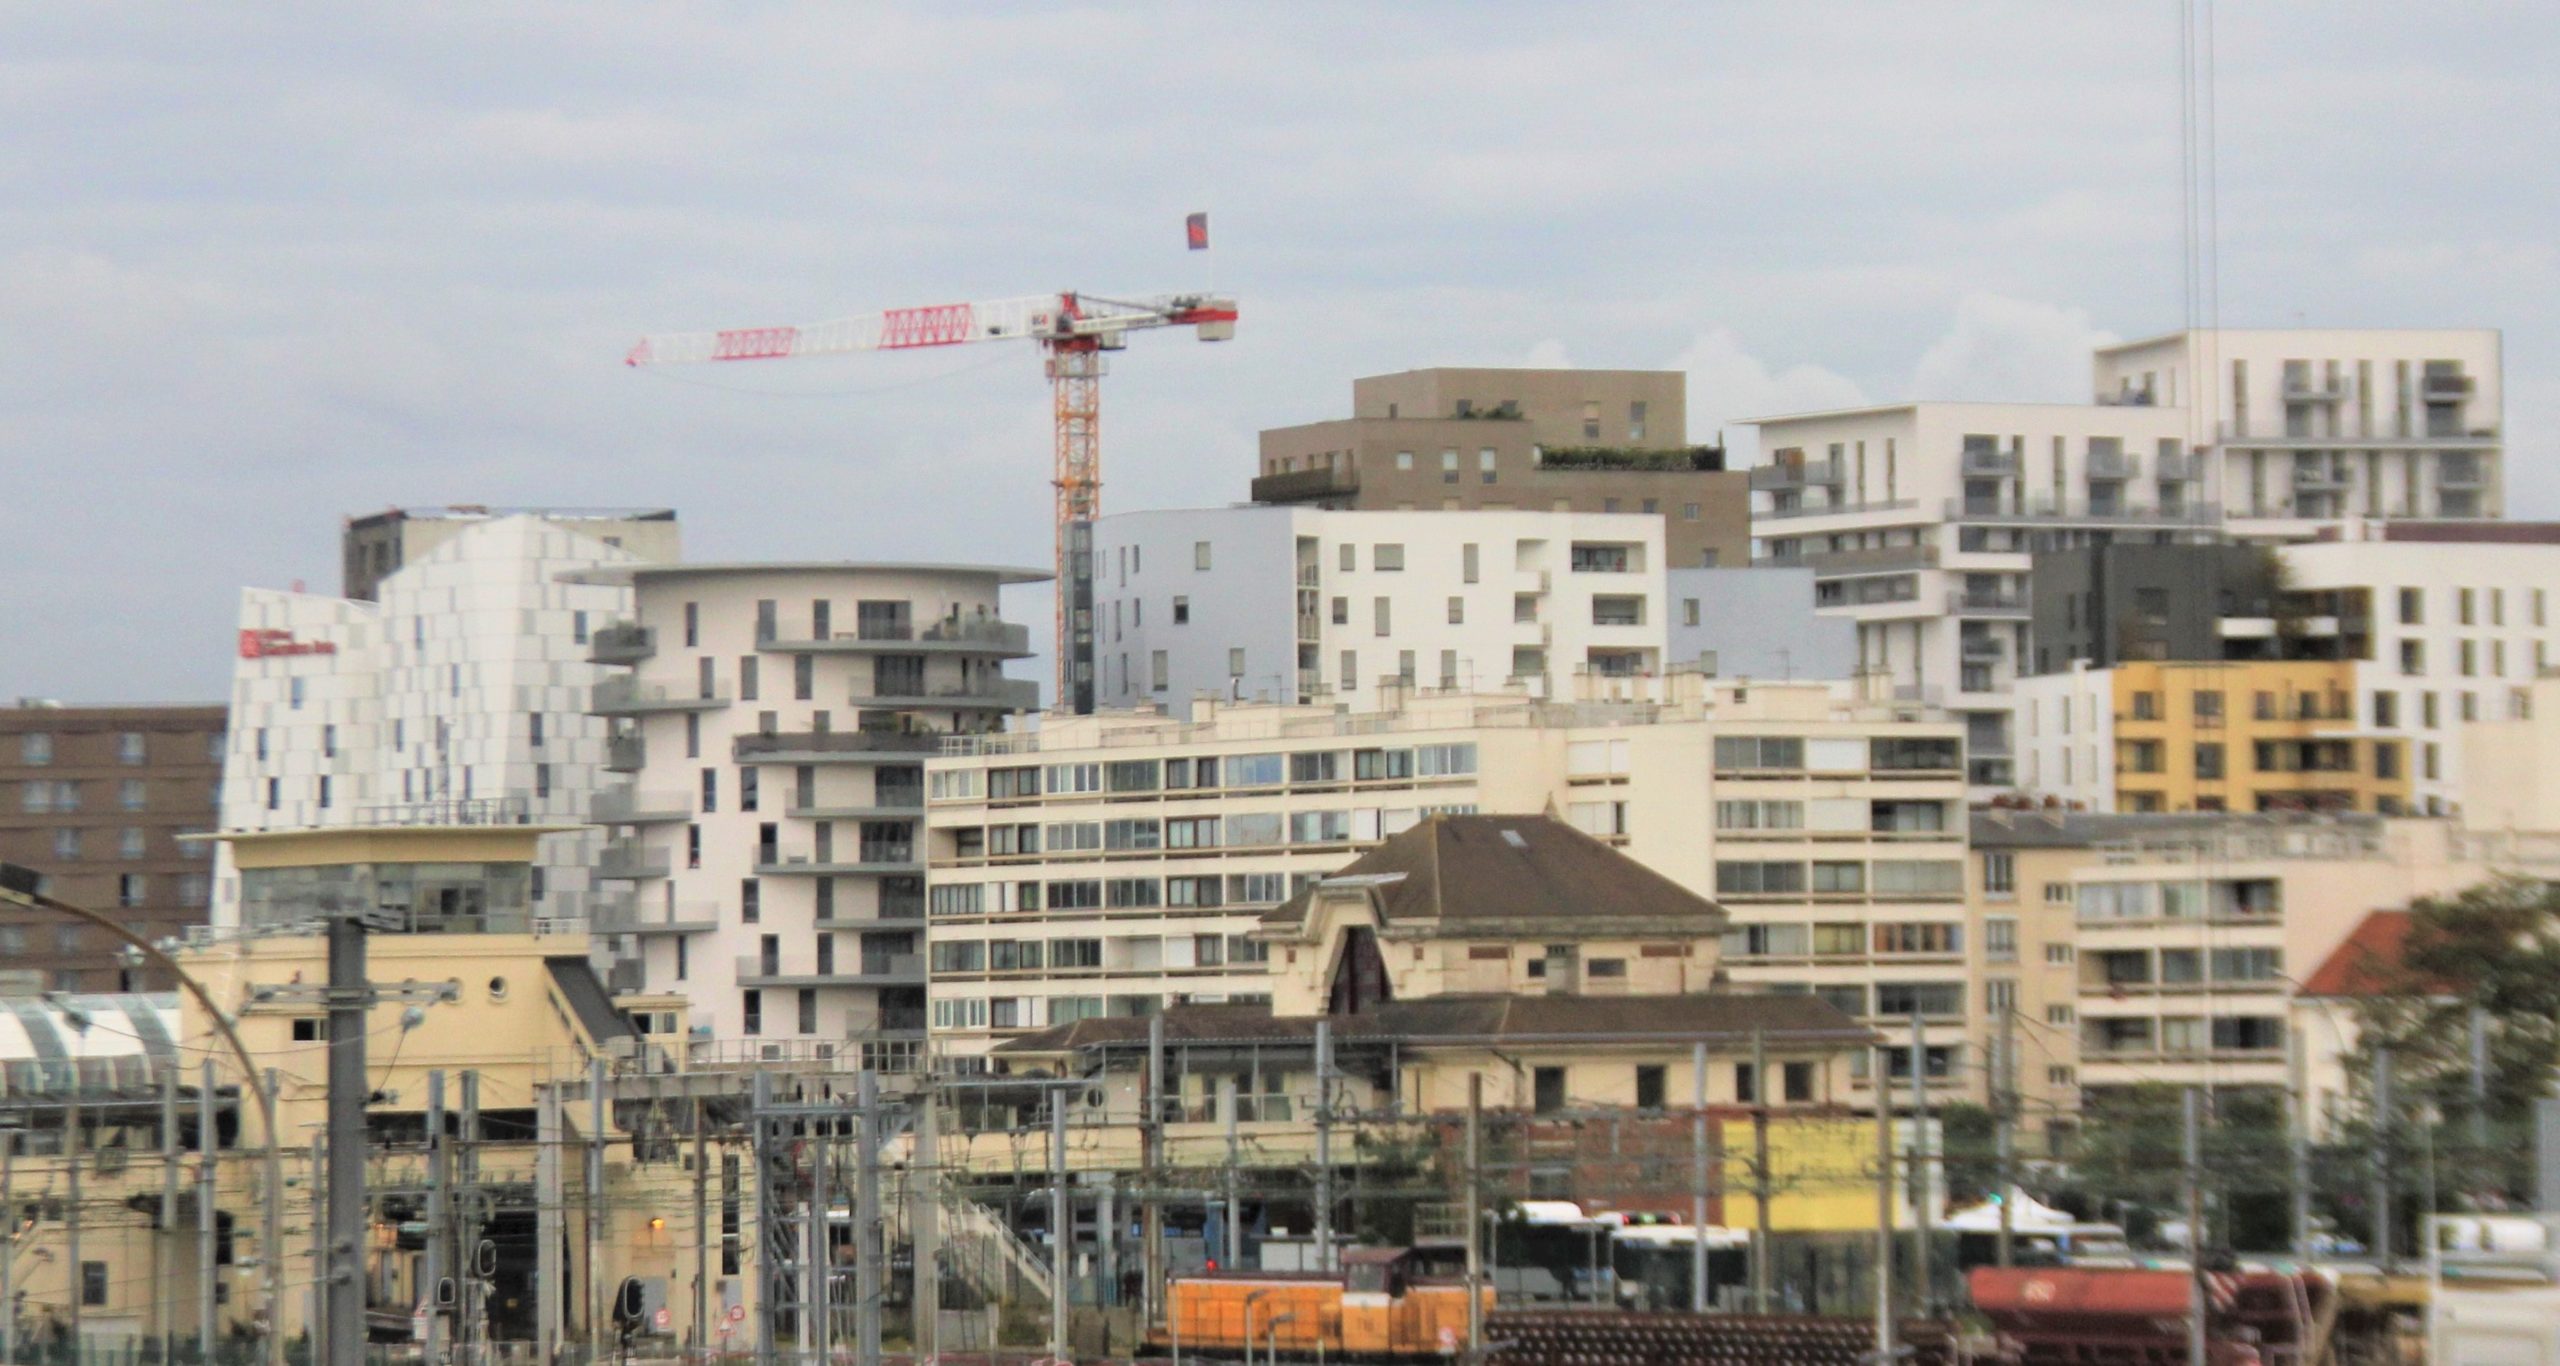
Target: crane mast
1074, 330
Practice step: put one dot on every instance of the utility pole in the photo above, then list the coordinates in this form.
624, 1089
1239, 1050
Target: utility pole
439, 1234
1152, 1211
924, 1226
2384, 1127
1922, 1286
319, 1238
2480, 1079
2004, 1112
207, 1144
701, 1229
870, 1241
547, 1138
817, 1319
2298, 1140
164, 1296
1324, 1145
1061, 1233
1475, 1210
1698, 1172
350, 994
74, 1276
2192, 1146
1762, 1244
1235, 1202
9, 1250
468, 1333
1884, 1203
599, 1331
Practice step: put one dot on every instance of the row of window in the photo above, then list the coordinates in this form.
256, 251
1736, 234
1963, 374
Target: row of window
1836, 754
1847, 939
1840, 877
1841, 815
44, 796
1207, 892
1207, 773
36, 747
1066, 955
2182, 1034
2182, 967
2466, 602
1148, 834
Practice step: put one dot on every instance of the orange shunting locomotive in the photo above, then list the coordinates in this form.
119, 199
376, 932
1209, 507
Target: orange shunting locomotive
1377, 1307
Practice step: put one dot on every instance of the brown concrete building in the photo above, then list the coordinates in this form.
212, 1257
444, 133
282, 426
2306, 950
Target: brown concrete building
94, 799
1531, 440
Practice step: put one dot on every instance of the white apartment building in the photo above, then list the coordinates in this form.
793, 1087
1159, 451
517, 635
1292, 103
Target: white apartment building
1296, 604
2461, 622
2302, 427
1917, 520
775, 720
2192, 940
1111, 864
460, 695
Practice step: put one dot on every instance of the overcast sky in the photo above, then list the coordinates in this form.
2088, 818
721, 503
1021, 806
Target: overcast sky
265, 267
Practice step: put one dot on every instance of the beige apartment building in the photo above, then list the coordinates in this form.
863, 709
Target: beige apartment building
1115, 864
1525, 440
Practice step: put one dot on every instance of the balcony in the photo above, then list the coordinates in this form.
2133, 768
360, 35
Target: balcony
1982, 647
2047, 509
1001, 694
871, 860
2451, 438
2304, 389
2113, 466
2177, 467
2442, 386
1884, 559
889, 803
1306, 486
1873, 509
630, 860
898, 914
621, 642
1969, 603
835, 746
979, 636
623, 915
1989, 464
2318, 478
869, 969
625, 806
1795, 475
630, 697
2462, 473
625, 754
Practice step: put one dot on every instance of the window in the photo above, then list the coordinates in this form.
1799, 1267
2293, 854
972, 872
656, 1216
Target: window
1457, 611
2413, 658
710, 790
133, 747
2209, 762
1199, 555
1838, 879
750, 1010
1235, 662
1547, 1086
2000, 875
1758, 878
1759, 752
1919, 998
1404, 460
1922, 938
1448, 467
1382, 614
1652, 1089
36, 747
2412, 607
1181, 613
1467, 562
1387, 559
93, 1283
1484, 465
2000, 939
133, 794
2056, 955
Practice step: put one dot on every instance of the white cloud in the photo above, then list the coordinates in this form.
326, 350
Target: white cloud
2010, 350
1728, 384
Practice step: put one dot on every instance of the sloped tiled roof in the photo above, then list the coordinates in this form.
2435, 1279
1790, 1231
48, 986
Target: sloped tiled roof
1730, 1016
2367, 962
1509, 868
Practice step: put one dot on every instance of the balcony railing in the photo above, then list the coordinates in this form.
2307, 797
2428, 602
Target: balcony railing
630, 859
1301, 486
2048, 509
2444, 386
2177, 467
1867, 560
1002, 694
1796, 474
2114, 465
621, 642
628, 696
902, 966
625, 754
649, 915
849, 745
625, 806
1963, 602
1989, 464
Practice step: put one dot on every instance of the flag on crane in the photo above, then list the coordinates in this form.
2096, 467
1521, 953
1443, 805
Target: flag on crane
1197, 225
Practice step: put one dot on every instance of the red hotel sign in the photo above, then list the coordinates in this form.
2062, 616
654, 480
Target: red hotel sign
271, 644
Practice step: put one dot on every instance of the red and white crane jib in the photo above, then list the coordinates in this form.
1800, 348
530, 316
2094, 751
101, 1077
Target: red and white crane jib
1038, 317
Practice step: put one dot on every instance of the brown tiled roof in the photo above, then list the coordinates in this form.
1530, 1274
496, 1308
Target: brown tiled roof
1510, 868
2368, 962
1724, 1016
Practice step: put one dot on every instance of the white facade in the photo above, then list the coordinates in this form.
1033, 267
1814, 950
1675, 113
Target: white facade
2460, 629
2303, 427
1294, 604
460, 695
775, 720
1918, 520
1146, 848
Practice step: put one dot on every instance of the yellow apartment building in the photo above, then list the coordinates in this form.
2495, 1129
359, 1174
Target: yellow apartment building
2208, 735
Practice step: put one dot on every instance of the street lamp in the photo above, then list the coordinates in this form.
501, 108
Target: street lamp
18, 887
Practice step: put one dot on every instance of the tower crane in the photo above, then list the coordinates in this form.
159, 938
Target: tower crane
1073, 331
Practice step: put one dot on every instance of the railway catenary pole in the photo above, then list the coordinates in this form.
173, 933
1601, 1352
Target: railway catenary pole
2384, 1130
1698, 1179
1152, 1212
1475, 1211
2004, 1107
1061, 1233
207, 1145
1324, 1146
164, 1296
1922, 1287
1762, 1233
1884, 1203
2192, 1150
